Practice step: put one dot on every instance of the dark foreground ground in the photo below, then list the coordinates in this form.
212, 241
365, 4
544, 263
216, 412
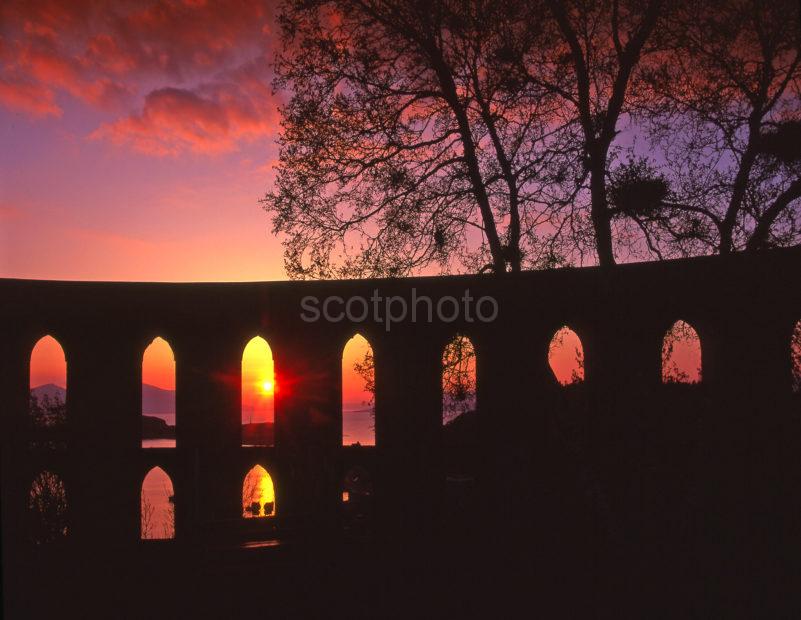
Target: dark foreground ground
447, 578
684, 533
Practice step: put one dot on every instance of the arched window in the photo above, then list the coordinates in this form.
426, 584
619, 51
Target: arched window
458, 379
157, 513
566, 356
358, 393
258, 394
258, 494
795, 357
48, 385
158, 395
47, 508
681, 354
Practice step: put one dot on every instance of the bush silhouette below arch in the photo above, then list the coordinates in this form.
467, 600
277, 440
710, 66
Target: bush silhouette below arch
258, 493
681, 354
47, 508
157, 509
566, 356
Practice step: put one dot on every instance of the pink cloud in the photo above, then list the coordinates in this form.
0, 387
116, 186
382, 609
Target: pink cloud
54, 71
181, 37
174, 37
29, 97
210, 119
206, 59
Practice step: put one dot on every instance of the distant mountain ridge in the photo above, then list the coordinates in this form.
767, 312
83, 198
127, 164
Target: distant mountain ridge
155, 400
50, 390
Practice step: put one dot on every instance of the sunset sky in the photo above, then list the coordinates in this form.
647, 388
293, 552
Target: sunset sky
137, 139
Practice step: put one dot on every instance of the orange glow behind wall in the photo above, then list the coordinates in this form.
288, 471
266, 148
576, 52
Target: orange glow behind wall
358, 407
258, 382
157, 512
353, 385
158, 365
681, 354
566, 356
48, 364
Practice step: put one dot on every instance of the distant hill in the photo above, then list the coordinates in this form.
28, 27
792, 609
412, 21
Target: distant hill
158, 401
51, 390
154, 399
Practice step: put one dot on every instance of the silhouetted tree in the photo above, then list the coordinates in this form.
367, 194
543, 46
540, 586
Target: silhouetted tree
577, 368
157, 523
725, 116
47, 508
252, 505
493, 135
405, 143
250, 495
680, 333
146, 517
593, 65
169, 522
365, 369
458, 378
47, 412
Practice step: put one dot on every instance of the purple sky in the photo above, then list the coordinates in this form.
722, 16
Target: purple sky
136, 146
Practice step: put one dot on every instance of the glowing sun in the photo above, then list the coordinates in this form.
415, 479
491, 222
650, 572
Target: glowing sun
267, 386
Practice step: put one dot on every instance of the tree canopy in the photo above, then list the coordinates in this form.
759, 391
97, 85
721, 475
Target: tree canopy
471, 136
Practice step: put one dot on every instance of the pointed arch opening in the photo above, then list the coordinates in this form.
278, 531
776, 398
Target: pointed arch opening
460, 428
47, 508
458, 379
48, 387
158, 395
795, 358
258, 394
358, 393
258, 494
157, 508
681, 354
566, 357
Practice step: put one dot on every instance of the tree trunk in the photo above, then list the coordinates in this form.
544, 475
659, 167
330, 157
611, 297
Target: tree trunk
599, 212
451, 96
